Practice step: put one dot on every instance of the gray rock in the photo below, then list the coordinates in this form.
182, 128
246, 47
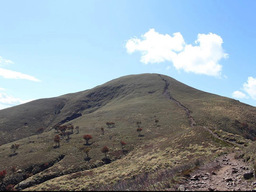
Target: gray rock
228, 179
205, 178
181, 188
234, 170
195, 178
248, 175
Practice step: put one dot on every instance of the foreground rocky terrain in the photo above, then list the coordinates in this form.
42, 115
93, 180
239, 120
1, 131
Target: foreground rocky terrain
225, 173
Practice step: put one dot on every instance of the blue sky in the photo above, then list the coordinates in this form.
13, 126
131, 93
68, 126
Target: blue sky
50, 48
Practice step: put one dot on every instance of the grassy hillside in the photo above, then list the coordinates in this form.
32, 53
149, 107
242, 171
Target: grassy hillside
181, 128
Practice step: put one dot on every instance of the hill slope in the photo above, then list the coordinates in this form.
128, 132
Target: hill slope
208, 109
181, 126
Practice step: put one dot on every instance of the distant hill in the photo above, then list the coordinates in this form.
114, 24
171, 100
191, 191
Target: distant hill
181, 128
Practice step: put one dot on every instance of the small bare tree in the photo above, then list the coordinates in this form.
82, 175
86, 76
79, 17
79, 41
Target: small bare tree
87, 138
70, 127
57, 141
87, 150
102, 130
110, 124
139, 131
122, 144
63, 129
105, 150
14, 148
2, 175
68, 133
77, 129
156, 122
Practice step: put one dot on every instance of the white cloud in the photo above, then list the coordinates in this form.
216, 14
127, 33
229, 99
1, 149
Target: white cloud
5, 61
203, 58
8, 74
238, 95
250, 87
155, 47
7, 100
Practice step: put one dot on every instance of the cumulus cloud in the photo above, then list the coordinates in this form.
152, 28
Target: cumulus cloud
238, 95
156, 47
201, 58
9, 74
250, 87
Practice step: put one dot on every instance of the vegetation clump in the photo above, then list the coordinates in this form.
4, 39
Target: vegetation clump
139, 131
57, 141
105, 150
87, 150
14, 148
2, 175
110, 124
87, 138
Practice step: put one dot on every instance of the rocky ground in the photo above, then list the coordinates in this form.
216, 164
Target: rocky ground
226, 173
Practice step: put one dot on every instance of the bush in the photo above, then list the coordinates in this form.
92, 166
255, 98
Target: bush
139, 130
105, 150
57, 140
87, 138
2, 175
122, 144
14, 147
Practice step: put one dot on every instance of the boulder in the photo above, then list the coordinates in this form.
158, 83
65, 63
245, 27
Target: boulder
248, 175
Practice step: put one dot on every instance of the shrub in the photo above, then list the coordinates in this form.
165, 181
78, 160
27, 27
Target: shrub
56, 128
105, 150
102, 130
68, 133
139, 130
122, 144
14, 147
13, 169
87, 150
87, 138
57, 140
77, 129
110, 124
2, 175
40, 130
71, 128
10, 187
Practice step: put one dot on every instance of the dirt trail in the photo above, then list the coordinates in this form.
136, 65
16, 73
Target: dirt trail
168, 95
192, 121
223, 174
226, 173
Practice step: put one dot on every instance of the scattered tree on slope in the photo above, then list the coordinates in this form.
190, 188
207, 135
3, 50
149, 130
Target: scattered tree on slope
87, 138
57, 141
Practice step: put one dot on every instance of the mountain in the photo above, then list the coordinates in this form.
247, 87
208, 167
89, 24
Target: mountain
119, 94
181, 127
